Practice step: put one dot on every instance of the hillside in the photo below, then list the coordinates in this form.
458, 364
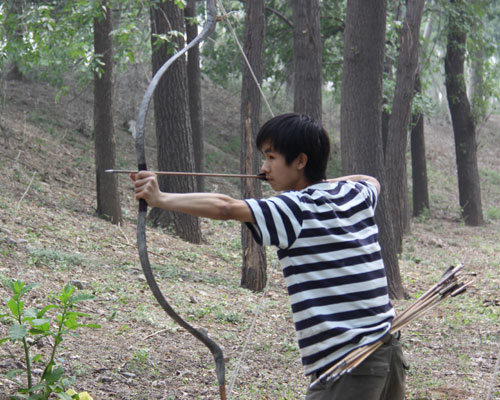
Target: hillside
50, 235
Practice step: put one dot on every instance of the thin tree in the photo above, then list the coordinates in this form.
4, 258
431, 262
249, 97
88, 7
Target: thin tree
194, 89
13, 31
420, 191
173, 125
254, 257
307, 52
108, 198
360, 116
464, 127
397, 135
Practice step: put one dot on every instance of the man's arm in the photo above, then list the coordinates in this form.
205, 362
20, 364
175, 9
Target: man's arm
357, 178
208, 205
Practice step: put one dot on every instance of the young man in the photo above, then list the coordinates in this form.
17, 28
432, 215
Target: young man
327, 244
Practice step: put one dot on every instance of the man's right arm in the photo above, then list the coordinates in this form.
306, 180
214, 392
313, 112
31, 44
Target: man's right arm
357, 178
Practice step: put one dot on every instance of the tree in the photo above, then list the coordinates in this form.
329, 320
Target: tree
108, 198
420, 192
360, 115
13, 31
173, 126
254, 257
464, 128
194, 89
397, 143
307, 53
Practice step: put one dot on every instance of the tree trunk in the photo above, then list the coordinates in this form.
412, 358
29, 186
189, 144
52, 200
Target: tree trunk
307, 58
420, 191
254, 267
394, 7
360, 116
173, 125
397, 142
418, 161
14, 33
463, 122
194, 89
108, 198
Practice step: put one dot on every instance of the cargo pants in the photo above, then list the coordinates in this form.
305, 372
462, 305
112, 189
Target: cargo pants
380, 377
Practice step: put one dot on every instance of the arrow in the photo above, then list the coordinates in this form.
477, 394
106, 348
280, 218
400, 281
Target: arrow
125, 171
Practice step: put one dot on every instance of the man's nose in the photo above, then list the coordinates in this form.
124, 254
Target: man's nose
264, 167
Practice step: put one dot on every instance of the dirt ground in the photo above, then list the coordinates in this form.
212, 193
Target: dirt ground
49, 234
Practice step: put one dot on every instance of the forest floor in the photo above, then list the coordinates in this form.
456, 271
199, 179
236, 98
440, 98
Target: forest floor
49, 235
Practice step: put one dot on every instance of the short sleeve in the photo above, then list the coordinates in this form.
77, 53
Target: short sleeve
278, 220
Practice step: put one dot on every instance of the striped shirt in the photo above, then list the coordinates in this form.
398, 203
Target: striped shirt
330, 256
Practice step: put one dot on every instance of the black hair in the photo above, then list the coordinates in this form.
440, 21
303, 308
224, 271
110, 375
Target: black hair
291, 134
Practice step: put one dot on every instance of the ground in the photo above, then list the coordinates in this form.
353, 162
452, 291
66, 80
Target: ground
49, 235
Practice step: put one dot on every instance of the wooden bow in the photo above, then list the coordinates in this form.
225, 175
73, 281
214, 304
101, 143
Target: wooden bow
214, 348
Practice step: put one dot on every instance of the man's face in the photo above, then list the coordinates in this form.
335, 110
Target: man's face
280, 175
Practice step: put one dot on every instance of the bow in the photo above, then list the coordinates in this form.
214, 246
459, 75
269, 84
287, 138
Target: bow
214, 348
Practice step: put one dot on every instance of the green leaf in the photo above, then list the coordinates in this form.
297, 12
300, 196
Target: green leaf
26, 289
68, 381
66, 396
17, 332
42, 312
40, 321
15, 307
34, 389
66, 293
30, 313
81, 297
11, 374
93, 326
36, 358
54, 375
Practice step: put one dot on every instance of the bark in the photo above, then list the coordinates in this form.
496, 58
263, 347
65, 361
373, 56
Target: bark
254, 267
173, 125
194, 89
307, 55
420, 191
397, 142
360, 118
418, 161
464, 128
14, 32
108, 198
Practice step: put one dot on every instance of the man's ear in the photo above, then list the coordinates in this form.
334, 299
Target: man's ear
301, 161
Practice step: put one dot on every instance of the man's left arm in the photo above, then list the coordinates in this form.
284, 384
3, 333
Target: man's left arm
208, 205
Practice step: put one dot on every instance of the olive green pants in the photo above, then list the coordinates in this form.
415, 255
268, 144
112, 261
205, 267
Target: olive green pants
380, 377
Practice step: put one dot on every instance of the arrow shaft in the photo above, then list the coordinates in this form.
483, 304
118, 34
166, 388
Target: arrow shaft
124, 171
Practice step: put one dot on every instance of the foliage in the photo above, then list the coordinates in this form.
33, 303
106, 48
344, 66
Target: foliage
47, 40
222, 58
30, 325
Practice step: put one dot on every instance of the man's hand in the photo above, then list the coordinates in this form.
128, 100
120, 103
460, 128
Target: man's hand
146, 187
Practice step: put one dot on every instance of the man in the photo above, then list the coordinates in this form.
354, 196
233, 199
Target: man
327, 244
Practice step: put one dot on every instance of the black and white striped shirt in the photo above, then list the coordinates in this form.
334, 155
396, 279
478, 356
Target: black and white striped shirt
329, 252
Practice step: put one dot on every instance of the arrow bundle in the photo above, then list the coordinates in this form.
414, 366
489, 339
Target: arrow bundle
451, 284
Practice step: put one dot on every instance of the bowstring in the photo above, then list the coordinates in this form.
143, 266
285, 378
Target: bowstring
266, 289
247, 62
249, 334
